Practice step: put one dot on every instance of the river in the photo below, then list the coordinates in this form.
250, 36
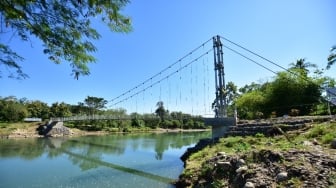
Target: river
131, 160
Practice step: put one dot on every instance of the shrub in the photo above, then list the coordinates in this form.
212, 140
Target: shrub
259, 115
294, 112
273, 114
176, 123
328, 138
137, 123
260, 135
318, 130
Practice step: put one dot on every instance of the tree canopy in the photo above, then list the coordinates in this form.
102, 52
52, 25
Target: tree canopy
296, 91
95, 103
331, 57
63, 26
160, 111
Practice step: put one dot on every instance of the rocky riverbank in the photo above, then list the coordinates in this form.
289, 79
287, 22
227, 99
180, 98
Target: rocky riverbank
305, 157
266, 168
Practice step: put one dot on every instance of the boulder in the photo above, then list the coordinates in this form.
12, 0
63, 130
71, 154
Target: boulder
333, 144
241, 169
240, 163
249, 185
282, 176
225, 165
54, 129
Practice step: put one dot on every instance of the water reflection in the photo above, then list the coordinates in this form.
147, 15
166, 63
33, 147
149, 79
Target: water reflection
95, 146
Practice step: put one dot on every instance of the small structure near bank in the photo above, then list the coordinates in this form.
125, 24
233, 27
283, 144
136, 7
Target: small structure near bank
220, 126
54, 129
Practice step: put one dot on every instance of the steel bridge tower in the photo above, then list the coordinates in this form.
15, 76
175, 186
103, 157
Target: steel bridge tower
219, 105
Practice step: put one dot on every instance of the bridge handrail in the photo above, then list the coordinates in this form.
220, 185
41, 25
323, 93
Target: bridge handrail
96, 117
111, 117
85, 117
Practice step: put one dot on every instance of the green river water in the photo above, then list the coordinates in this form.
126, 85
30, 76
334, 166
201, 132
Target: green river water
131, 160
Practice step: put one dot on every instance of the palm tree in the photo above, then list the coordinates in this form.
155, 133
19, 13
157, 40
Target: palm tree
160, 111
302, 65
332, 57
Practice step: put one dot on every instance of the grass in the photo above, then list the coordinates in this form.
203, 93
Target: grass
324, 132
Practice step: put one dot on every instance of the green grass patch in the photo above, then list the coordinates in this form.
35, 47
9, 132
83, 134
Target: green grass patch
317, 131
324, 132
328, 138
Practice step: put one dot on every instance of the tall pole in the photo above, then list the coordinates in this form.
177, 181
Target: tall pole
220, 101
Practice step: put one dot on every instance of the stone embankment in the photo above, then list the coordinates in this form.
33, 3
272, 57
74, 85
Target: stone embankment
266, 128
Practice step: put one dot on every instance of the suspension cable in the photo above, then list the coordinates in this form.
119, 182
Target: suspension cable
162, 71
159, 81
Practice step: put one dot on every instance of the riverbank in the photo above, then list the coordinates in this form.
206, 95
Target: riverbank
301, 158
30, 130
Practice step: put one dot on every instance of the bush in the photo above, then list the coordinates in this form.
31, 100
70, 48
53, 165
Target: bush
273, 114
176, 124
294, 112
137, 122
259, 115
260, 135
328, 138
318, 130
189, 124
152, 122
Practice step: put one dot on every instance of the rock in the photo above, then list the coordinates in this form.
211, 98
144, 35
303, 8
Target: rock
307, 143
53, 129
222, 154
240, 163
333, 144
282, 176
249, 185
315, 142
241, 169
224, 165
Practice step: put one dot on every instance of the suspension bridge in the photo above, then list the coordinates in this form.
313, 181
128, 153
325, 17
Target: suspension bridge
187, 85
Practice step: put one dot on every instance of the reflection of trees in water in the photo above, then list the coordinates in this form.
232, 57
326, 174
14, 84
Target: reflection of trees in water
27, 149
95, 146
176, 141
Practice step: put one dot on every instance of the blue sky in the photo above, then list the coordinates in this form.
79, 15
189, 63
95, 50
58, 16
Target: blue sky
165, 31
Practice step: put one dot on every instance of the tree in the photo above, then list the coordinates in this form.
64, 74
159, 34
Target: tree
160, 111
250, 103
231, 92
288, 92
248, 88
332, 57
60, 110
79, 109
95, 103
11, 110
63, 26
302, 66
38, 109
